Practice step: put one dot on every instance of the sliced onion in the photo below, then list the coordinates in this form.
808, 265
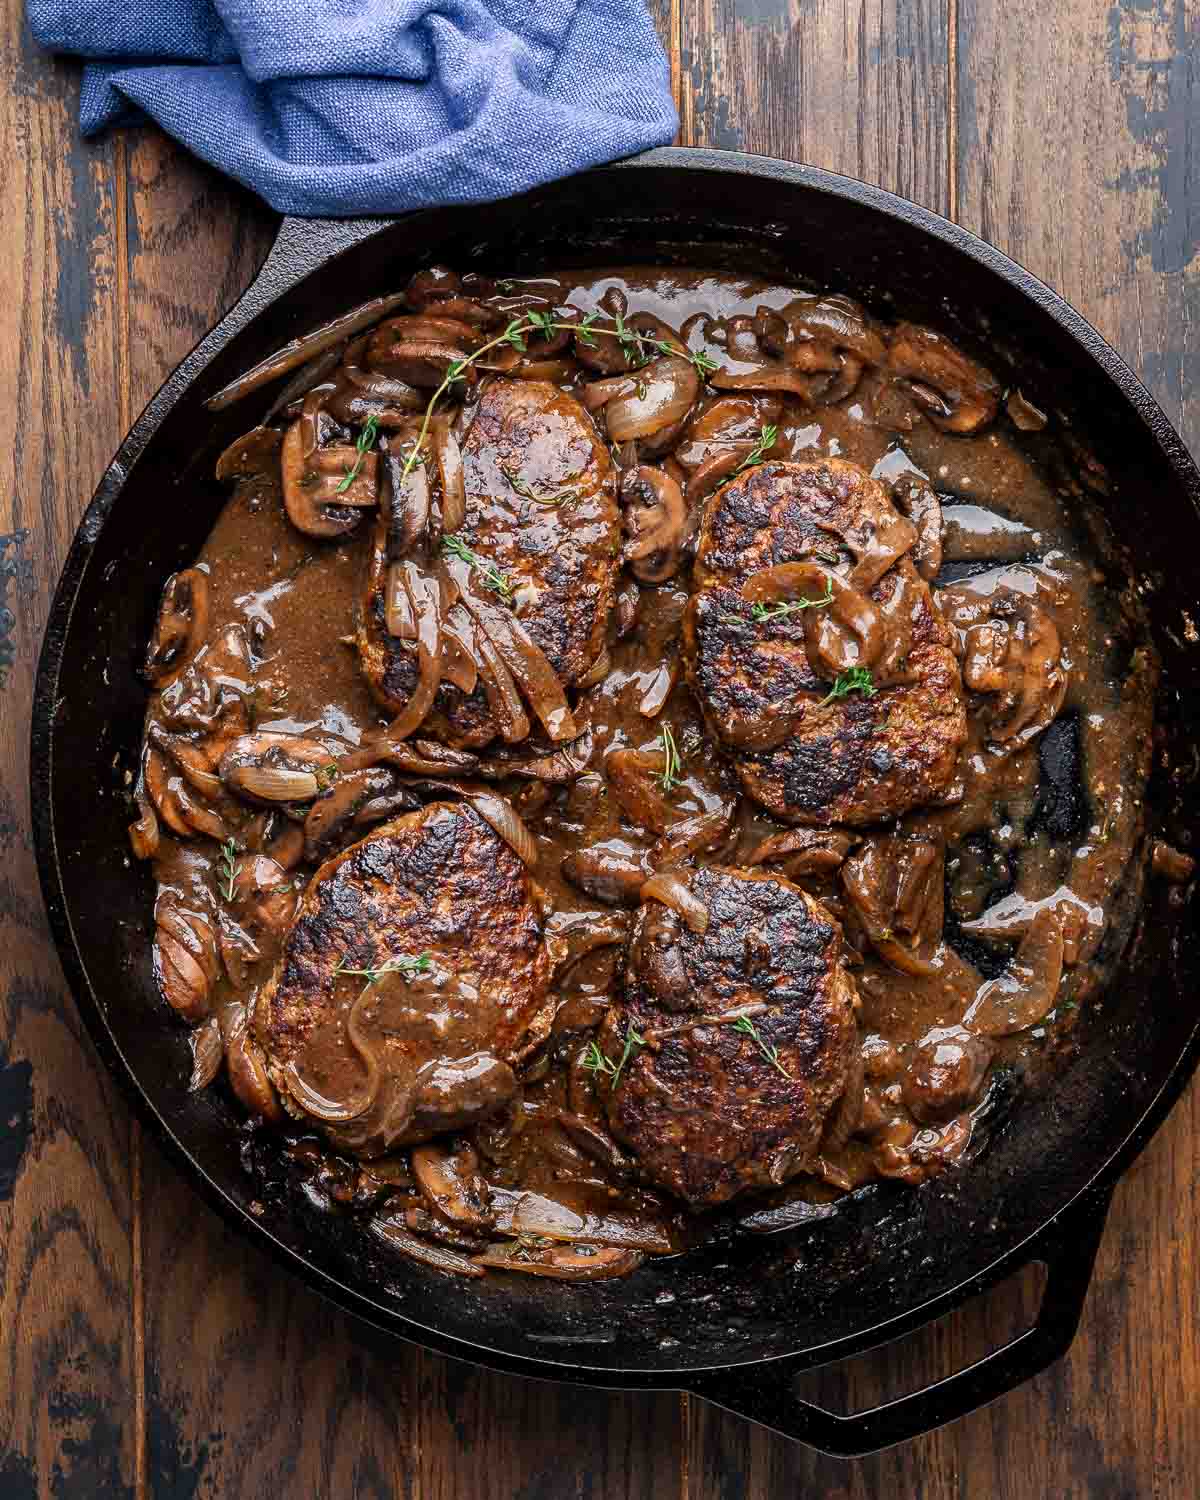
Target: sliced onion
424, 596
144, 835
598, 393
401, 1238
208, 1050
714, 471
398, 616
524, 658
500, 815
423, 362
654, 698
458, 657
664, 392
504, 701
449, 459
300, 350
672, 889
694, 835
574, 1263
408, 523
273, 783
582, 1214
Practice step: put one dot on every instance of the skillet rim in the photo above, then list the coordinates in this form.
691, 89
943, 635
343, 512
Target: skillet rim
301, 248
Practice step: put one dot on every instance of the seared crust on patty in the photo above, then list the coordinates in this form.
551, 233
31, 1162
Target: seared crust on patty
857, 758
439, 893
541, 508
702, 1105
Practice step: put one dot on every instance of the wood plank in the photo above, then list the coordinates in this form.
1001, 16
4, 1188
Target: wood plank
1102, 102
856, 86
497, 1436
67, 1420
253, 1384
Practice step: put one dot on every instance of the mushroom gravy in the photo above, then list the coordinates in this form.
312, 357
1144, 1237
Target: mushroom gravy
654, 739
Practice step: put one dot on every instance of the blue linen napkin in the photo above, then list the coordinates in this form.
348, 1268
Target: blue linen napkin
345, 107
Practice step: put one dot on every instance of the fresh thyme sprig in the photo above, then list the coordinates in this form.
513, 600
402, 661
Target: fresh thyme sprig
762, 444
366, 441
672, 760
527, 491
327, 774
747, 1027
228, 868
594, 1061
635, 346
402, 964
856, 680
762, 613
489, 574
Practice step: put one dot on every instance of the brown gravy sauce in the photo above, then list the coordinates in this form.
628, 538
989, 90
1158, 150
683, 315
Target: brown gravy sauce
1027, 834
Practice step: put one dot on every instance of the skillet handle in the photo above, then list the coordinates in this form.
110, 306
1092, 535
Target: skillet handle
764, 1393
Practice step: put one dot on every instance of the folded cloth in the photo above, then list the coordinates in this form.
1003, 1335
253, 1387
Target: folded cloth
344, 107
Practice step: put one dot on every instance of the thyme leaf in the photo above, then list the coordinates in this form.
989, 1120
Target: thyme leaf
527, 491
768, 1049
672, 760
856, 680
228, 868
366, 441
760, 613
595, 1062
489, 574
402, 964
762, 443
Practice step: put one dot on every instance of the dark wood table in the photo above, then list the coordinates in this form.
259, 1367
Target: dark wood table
144, 1350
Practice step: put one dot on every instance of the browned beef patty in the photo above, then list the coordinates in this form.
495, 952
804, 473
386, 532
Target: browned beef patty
541, 508
855, 759
444, 915
710, 1110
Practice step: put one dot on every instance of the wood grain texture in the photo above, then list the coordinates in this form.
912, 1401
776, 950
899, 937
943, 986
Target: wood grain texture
143, 1351
67, 1413
856, 86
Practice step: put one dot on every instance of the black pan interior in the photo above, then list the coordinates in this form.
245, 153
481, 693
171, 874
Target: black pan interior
886, 1251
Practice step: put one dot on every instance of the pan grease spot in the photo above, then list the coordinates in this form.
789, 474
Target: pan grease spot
12, 569
16, 1120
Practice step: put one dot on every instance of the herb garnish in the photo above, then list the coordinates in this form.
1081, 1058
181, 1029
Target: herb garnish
672, 760
366, 441
635, 345
594, 1061
762, 613
489, 574
764, 441
326, 775
856, 680
402, 964
527, 491
228, 868
747, 1027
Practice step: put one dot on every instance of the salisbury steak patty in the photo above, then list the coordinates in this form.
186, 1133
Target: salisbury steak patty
541, 510
857, 758
442, 913
711, 1110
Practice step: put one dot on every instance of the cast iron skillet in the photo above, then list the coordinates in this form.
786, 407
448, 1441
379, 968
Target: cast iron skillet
734, 1321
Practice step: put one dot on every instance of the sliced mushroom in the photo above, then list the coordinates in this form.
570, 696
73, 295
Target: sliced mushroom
255, 452
632, 775
958, 394
264, 896
181, 627
1017, 655
659, 523
895, 886
803, 851
451, 1185
945, 1074
916, 499
185, 959
400, 1237
656, 396
1028, 988
341, 808
311, 480
614, 876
